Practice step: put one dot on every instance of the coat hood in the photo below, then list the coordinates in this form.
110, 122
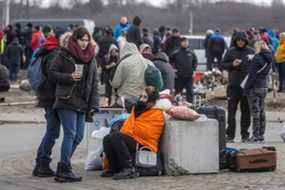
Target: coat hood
112, 47
129, 48
137, 21
240, 36
51, 43
161, 56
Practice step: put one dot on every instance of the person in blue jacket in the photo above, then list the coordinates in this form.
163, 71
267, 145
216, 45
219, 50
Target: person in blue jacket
216, 48
122, 26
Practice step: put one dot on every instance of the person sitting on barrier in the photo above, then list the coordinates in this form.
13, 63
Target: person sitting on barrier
144, 127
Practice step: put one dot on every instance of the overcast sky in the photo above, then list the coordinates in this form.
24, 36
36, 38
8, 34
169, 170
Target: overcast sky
161, 2
46, 3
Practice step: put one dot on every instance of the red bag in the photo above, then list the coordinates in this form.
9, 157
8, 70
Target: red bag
183, 113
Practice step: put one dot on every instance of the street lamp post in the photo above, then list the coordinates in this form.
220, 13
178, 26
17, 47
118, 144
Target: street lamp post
27, 9
7, 12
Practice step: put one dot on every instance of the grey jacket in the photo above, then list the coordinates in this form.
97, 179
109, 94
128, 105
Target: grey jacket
129, 77
161, 61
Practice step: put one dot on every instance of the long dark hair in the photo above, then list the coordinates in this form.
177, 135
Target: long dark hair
80, 32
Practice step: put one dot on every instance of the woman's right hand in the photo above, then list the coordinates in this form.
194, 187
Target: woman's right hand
76, 76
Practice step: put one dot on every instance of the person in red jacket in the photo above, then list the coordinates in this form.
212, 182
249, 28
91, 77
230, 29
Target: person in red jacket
38, 38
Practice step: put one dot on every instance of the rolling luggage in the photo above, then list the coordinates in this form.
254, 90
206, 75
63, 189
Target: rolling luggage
218, 113
254, 160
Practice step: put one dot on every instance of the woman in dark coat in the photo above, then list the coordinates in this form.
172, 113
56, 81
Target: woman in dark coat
256, 89
75, 74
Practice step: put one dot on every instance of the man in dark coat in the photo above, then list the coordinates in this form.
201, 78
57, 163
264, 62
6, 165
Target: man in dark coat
134, 32
209, 33
15, 55
185, 62
237, 63
156, 42
27, 38
104, 44
172, 44
147, 39
10, 34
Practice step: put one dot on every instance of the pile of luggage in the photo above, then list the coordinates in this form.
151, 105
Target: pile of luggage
243, 160
249, 160
261, 159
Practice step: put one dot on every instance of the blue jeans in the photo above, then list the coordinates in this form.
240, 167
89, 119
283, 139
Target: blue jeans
73, 123
51, 134
14, 69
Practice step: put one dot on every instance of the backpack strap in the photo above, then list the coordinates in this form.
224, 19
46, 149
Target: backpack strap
123, 58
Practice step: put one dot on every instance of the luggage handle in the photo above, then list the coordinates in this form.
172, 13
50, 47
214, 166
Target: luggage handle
143, 148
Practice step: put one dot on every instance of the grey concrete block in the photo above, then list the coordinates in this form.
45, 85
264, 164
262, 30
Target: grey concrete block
191, 147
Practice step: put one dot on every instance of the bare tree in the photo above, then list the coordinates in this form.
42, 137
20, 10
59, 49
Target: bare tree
277, 10
95, 5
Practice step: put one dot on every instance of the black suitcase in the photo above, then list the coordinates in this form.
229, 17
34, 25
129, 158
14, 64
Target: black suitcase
218, 113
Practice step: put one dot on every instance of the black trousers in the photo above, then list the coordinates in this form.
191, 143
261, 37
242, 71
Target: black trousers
120, 150
211, 60
235, 97
187, 83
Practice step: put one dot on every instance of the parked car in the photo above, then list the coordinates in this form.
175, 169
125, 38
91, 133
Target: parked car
197, 44
62, 23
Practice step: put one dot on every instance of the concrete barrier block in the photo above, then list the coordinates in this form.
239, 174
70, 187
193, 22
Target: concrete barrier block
191, 147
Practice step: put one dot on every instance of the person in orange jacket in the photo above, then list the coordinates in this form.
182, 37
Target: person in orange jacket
143, 128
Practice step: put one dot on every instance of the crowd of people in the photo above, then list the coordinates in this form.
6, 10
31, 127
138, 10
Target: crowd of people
69, 94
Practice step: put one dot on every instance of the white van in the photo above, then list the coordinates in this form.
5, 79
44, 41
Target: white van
62, 23
196, 43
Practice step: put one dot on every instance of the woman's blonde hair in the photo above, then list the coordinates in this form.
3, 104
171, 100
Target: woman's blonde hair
260, 45
282, 36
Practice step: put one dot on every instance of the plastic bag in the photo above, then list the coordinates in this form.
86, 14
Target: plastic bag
163, 104
282, 134
95, 149
183, 113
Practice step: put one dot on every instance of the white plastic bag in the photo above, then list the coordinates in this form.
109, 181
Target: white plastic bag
95, 149
282, 134
163, 104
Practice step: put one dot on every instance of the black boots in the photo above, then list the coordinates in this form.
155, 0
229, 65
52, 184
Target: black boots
64, 174
42, 169
127, 173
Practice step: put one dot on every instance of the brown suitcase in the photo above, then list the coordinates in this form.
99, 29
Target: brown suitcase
253, 160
